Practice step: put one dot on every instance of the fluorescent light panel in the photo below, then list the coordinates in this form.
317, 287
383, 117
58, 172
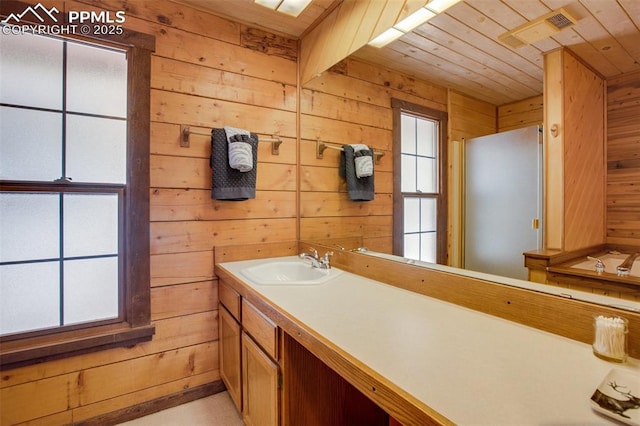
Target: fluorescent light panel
414, 20
293, 7
271, 4
386, 37
288, 7
439, 6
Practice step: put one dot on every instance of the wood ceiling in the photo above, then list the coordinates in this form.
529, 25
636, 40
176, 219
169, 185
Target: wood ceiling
459, 49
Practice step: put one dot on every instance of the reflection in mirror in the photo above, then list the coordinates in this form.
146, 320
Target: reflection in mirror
613, 302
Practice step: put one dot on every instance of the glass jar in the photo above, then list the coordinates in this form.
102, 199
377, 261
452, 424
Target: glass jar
610, 338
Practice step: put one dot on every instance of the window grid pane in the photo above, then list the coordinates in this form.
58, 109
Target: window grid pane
69, 228
30, 297
31, 69
420, 225
28, 151
426, 138
90, 290
96, 149
60, 259
88, 64
428, 245
25, 218
419, 162
408, 134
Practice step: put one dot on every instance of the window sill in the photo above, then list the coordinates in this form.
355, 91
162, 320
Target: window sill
35, 350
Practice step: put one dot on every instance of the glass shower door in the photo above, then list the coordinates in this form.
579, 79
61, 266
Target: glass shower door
503, 201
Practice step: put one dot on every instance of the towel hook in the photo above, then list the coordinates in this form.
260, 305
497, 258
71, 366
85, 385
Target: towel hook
275, 144
320, 147
185, 131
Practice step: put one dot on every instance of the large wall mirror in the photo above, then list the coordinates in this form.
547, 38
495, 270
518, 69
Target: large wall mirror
358, 214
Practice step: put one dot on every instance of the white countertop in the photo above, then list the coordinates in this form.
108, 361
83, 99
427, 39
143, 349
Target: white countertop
473, 368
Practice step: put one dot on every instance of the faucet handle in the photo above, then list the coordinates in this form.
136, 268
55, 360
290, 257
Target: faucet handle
325, 259
313, 252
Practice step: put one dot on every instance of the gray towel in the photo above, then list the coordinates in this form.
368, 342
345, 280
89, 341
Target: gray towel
228, 183
359, 189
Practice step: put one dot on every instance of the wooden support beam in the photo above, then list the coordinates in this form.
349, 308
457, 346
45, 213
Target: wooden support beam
346, 29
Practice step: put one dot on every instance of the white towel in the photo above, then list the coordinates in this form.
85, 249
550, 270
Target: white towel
241, 156
233, 131
240, 150
363, 159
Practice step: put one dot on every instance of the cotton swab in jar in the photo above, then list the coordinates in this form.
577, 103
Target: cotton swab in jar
610, 340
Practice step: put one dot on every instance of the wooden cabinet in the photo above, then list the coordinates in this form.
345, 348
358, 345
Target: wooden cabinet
230, 355
249, 358
260, 400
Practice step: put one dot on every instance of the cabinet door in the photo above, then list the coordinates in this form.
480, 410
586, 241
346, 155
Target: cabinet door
260, 395
229, 347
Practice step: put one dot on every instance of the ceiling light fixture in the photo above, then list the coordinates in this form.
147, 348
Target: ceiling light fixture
386, 37
412, 21
439, 6
288, 7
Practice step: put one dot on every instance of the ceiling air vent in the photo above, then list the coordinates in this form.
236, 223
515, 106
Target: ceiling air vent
538, 29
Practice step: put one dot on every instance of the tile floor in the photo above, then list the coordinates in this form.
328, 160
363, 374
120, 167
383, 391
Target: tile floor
214, 410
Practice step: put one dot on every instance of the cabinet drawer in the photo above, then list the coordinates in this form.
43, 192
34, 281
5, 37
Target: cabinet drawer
229, 298
263, 331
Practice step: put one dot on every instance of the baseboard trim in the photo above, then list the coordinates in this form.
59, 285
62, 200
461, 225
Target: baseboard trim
155, 405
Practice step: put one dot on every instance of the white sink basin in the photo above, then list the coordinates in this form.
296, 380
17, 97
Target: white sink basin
288, 272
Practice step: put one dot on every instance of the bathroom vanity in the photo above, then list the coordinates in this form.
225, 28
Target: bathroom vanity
388, 342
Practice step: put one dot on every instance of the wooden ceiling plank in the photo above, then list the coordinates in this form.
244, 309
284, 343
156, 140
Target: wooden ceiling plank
586, 52
534, 9
444, 42
314, 45
593, 32
432, 50
496, 18
477, 74
450, 25
369, 20
632, 8
388, 17
619, 25
607, 37
433, 74
341, 33
328, 44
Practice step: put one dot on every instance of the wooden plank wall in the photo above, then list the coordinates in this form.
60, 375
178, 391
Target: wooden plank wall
206, 72
516, 115
584, 155
623, 160
351, 103
347, 28
210, 72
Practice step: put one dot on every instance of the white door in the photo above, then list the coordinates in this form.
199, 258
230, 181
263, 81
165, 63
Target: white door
503, 199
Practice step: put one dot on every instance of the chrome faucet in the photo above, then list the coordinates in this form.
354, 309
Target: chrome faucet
624, 269
316, 262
